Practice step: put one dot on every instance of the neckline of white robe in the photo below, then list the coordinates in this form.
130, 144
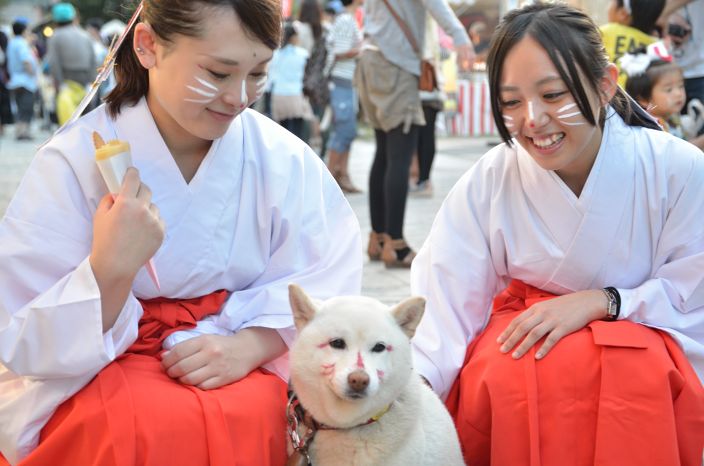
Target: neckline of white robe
202, 203
587, 223
137, 125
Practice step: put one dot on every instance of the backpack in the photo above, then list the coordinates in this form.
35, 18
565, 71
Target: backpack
315, 80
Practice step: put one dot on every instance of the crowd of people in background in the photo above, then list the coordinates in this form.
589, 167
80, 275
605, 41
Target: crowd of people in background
45, 77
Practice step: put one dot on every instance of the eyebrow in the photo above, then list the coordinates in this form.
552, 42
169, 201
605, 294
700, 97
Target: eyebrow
539, 83
229, 62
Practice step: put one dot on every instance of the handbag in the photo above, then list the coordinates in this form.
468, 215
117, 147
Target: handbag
428, 80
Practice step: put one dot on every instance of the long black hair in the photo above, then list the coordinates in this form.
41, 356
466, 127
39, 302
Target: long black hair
574, 45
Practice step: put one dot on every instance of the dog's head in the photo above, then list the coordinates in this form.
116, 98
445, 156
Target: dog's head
352, 357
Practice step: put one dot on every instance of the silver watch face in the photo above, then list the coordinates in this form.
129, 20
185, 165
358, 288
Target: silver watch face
611, 309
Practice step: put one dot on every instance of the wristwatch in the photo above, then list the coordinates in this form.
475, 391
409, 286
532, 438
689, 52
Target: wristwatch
613, 308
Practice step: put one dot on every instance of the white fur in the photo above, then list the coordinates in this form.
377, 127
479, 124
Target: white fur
416, 430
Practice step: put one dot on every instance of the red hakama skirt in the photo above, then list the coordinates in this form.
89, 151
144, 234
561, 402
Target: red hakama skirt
611, 394
133, 413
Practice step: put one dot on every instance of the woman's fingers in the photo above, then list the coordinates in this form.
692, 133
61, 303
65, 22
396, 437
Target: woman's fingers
130, 183
519, 328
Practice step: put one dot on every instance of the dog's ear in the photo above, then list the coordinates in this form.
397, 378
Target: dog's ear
302, 307
408, 314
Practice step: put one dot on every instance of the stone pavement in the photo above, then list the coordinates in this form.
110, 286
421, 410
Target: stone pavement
455, 156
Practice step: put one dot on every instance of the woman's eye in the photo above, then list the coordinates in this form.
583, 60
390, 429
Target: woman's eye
378, 348
509, 103
218, 76
258, 76
338, 343
554, 95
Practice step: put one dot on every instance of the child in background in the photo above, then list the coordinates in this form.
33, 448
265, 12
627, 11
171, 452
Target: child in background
631, 25
289, 107
657, 84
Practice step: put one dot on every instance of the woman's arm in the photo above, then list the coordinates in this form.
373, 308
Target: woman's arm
211, 361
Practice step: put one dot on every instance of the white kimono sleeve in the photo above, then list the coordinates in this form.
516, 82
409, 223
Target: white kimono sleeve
673, 299
50, 308
455, 273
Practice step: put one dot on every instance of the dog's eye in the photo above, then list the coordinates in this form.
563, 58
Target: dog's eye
338, 343
378, 348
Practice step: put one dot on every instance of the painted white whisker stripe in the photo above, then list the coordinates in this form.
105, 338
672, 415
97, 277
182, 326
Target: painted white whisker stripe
574, 123
199, 101
207, 84
566, 107
570, 115
508, 121
200, 91
243, 94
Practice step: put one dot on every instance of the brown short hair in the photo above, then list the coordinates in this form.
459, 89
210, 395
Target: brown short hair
261, 20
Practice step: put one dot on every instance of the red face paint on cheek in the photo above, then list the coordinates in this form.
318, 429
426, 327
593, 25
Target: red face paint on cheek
380, 374
360, 362
327, 369
389, 348
323, 345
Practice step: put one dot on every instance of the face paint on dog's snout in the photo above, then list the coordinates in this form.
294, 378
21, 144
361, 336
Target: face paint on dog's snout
360, 361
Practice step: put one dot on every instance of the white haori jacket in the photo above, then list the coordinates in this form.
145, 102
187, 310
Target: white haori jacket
261, 212
638, 225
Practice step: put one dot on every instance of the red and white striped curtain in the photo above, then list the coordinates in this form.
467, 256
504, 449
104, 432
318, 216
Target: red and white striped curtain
286, 7
473, 116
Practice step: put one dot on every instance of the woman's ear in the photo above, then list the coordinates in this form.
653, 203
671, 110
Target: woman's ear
609, 83
144, 45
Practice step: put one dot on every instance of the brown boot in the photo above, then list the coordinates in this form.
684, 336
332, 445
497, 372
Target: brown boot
375, 246
389, 253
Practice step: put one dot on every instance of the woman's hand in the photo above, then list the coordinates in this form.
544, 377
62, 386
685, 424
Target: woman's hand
211, 361
555, 318
127, 231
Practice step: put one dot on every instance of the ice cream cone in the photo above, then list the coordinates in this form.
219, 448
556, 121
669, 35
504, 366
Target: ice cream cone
113, 159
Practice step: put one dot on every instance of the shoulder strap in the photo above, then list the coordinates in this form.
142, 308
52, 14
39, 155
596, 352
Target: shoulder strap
404, 27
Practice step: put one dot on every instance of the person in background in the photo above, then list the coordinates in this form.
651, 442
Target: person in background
563, 272
343, 47
478, 34
387, 79
98, 365
289, 107
684, 22
315, 80
6, 116
433, 103
23, 69
657, 84
71, 60
631, 25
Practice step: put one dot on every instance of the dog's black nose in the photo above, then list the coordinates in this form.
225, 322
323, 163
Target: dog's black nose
358, 381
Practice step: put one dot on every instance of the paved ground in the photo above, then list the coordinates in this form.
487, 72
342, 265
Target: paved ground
455, 156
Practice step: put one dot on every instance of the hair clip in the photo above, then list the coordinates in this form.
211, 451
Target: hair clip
635, 64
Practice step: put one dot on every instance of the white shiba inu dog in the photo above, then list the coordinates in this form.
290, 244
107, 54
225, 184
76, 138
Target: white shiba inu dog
351, 369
